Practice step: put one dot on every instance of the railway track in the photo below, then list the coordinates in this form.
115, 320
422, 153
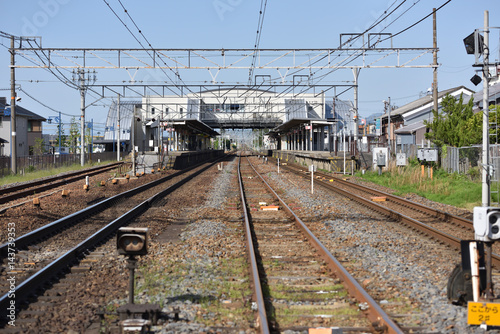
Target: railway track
9, 194
51, 258
443, 226
291, 265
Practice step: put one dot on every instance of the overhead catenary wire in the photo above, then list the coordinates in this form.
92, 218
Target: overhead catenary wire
392, 35
262, 13
149, 44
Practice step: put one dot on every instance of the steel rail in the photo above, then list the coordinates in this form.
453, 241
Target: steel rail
377, 316
35, 283
413, 223
258, 295
67, 221
445, 216
55, 181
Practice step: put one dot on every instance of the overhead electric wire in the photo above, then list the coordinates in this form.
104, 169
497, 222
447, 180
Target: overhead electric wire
43, 104
153, 58
392, 35
380, 19
262, 13
414, 24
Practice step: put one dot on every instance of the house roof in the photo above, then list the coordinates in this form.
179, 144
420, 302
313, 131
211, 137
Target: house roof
412, 128
493, 91
423, 101
20, 111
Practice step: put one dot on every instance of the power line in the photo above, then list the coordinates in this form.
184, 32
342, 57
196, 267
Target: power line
414, 24
140, 32
262, 13
43, 104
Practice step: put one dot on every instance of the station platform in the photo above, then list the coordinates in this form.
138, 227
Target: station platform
324, 160
148, 161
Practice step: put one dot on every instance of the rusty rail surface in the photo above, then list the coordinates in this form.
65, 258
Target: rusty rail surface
35, 187
254, 271
374, 313
410, 222
36, 283
59, 225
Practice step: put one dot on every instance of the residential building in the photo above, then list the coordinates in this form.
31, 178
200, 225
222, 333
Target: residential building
28, 129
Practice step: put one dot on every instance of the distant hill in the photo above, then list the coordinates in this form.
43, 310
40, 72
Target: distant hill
371, 119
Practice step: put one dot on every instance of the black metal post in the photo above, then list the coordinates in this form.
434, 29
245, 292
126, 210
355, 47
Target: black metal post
132, 265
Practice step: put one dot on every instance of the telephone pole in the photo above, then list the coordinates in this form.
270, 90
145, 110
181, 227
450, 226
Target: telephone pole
13, 141
435, 62
486, 120
81, 78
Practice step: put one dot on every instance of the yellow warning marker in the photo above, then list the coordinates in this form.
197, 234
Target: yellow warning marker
262, 203
331, 180
320, 330
379, 199
114, 181
103, 183
36, 201
269, 208
65, 193
86, 187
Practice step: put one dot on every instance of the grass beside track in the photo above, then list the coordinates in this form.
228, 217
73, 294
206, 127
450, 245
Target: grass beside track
38, 174
463, 191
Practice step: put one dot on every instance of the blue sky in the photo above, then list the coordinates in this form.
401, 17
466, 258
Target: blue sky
233, 24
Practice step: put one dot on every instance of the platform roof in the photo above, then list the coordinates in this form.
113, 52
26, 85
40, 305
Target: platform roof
295, 122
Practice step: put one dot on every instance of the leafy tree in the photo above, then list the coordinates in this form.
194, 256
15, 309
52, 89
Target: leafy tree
457, 125
39, 147
74, 134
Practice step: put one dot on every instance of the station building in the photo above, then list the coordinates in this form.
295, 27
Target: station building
188, 123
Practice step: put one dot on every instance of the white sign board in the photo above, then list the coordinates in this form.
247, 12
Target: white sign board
312, 168
376, 151
427, 154
400, 159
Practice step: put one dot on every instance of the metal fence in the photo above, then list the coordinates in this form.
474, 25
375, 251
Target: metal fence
461, 159
39, 162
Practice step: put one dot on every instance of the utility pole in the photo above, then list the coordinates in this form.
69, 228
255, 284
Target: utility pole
355, 71
132, 139
486, 137
81, 75
60, 132
435, 63
13, 141
389, 132
118, 126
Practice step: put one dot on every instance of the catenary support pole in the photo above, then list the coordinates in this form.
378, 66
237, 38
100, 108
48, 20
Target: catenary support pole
118, 127
82, 116
435, 63
486, 139
13, 138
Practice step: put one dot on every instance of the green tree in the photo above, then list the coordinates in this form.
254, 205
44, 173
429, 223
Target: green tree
457, 125
74, 134
39, 147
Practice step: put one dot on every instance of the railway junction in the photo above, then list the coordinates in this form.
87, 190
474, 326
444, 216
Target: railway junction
332, 259
188, 236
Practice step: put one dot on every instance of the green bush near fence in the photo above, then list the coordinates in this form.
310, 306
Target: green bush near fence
455, 189
31, 173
